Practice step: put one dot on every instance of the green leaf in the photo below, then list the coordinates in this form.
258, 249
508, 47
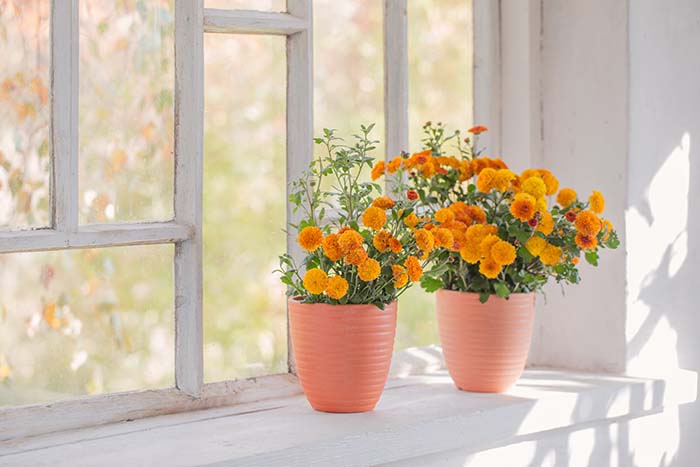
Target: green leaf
484, 297
525, 254
430, 284
501, 289
592, 257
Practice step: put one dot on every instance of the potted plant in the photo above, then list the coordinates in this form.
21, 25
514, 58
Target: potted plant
511, 233
360, 255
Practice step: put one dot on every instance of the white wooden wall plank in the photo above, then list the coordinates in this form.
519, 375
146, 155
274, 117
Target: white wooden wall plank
487, 72
64, 115
300, 118
94, 236
252, 22
20, 422
395, 79
189, 122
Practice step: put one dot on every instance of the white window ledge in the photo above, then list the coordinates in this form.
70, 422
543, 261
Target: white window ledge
418, 415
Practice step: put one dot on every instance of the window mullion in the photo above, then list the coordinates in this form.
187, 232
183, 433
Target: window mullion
64, 115
189, 122
300, 118
395, 77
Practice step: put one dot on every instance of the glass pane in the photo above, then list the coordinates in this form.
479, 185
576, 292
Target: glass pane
85, 322
348, 66
260, 5
126, 110
440, 60
244, 206
24, 113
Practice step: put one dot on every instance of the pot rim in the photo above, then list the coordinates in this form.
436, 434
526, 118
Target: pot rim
516, 294
347, 306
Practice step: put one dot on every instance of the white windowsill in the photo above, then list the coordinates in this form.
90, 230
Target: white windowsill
417, 415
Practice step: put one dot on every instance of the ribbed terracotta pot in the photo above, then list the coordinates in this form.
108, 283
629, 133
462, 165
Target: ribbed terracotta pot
485, 344
342, 353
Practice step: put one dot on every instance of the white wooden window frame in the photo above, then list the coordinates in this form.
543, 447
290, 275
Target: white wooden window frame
192, 20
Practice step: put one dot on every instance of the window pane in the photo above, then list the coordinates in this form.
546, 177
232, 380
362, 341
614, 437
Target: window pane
126, 110
244, 206
85, 322
261, 5
348, 62
24, 113
440, 58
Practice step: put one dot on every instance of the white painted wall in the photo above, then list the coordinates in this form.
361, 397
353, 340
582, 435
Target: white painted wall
619, 96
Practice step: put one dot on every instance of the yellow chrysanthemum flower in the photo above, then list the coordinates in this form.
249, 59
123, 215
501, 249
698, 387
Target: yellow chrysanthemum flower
566, 196
503, 253
546, 224
425, 240
310, 238
411, 220
534, 186
608, 226
415, 270
550, 182
400, 276
337, 287
503, 179
523, 207
527, 173
588, 223
315, 281
444, 215
597, 202
383, 202
356, 256
541, 204
331, 247
535, 245
374, 218
369, 270
490, 268
349, 240
550, 254
485, 181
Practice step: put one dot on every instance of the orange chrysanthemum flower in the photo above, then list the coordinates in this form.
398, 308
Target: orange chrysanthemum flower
566, 196
486, 244
485, 181
374, 218
381, 240
574, 260
369, 270
315, 281
394, 165
444, 215
586, 242
503, 253
477, 130
383, 202
425, 240
477, 214
378, 170
503, 179
479, 164
465, 170
588, 223
470, 251
331, 247
395, 245
337, 287
443, 237
411, 220
415, 270
523, 207
550, 182
597, 202
490, 268
546, 225
400, 276
356, 256
349, 240
310, 238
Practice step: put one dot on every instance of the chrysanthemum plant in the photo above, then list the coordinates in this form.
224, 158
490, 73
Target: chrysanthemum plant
498, 232
359, 246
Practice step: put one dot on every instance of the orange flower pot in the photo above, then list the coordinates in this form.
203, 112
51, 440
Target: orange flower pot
342, 353
485, 344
